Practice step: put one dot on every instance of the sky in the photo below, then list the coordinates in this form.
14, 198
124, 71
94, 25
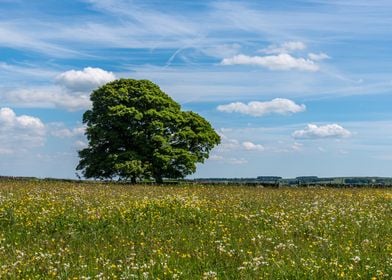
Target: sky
293, 87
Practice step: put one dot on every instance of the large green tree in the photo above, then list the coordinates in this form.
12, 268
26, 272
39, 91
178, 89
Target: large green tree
135, 131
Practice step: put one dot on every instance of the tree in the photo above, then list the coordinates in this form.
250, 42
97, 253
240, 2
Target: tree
135, 130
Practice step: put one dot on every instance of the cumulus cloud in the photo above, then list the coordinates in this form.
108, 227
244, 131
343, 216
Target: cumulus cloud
8, 119
255, 108
85, 80
249, 146
323, 131
19, 132
233, 145
279, 57
70, 90
286, 47
318, 56
67, 132
281, 61
48, 97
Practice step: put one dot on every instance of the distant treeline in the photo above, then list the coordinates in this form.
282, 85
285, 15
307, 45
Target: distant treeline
261, 181
276, 181
17, 178
23, 178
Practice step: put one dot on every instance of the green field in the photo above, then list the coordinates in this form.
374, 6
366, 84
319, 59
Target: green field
52, 230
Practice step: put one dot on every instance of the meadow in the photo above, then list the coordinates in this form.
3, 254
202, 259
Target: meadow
57, 230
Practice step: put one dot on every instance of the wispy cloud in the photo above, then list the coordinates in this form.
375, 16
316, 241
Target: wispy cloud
148, 20
134, 25
18, 36
286, 47
26, 70
318, 56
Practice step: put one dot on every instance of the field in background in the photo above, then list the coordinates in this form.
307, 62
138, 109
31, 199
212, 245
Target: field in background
96, 231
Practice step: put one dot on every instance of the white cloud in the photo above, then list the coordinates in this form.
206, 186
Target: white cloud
86, 80
221, 51
279, 58
323, 131
20, 36
230, 160
145, 21
229, 144
286, 47
26, 70
216, 157
72, 91
47, 97
68, 133
8, 119
237, 161
79, 144
281, 61
318, 56
296, 146
293, 46
19, 132
249, 146
255, 108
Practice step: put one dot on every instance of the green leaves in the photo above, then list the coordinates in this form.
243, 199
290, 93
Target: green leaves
136, 131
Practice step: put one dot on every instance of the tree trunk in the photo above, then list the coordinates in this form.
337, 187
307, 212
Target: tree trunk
158, 179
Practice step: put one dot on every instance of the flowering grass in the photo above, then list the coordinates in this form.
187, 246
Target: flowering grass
52, 230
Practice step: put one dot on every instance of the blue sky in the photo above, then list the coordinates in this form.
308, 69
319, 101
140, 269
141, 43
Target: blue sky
293, 87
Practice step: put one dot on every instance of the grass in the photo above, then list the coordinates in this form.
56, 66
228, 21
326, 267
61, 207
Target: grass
55, 230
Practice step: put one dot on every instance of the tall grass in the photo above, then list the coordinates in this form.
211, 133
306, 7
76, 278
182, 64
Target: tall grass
52, 230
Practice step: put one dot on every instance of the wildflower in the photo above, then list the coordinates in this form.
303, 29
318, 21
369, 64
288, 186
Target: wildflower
210, 275
356, 259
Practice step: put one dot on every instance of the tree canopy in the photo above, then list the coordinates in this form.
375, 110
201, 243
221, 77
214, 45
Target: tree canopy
135, 131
